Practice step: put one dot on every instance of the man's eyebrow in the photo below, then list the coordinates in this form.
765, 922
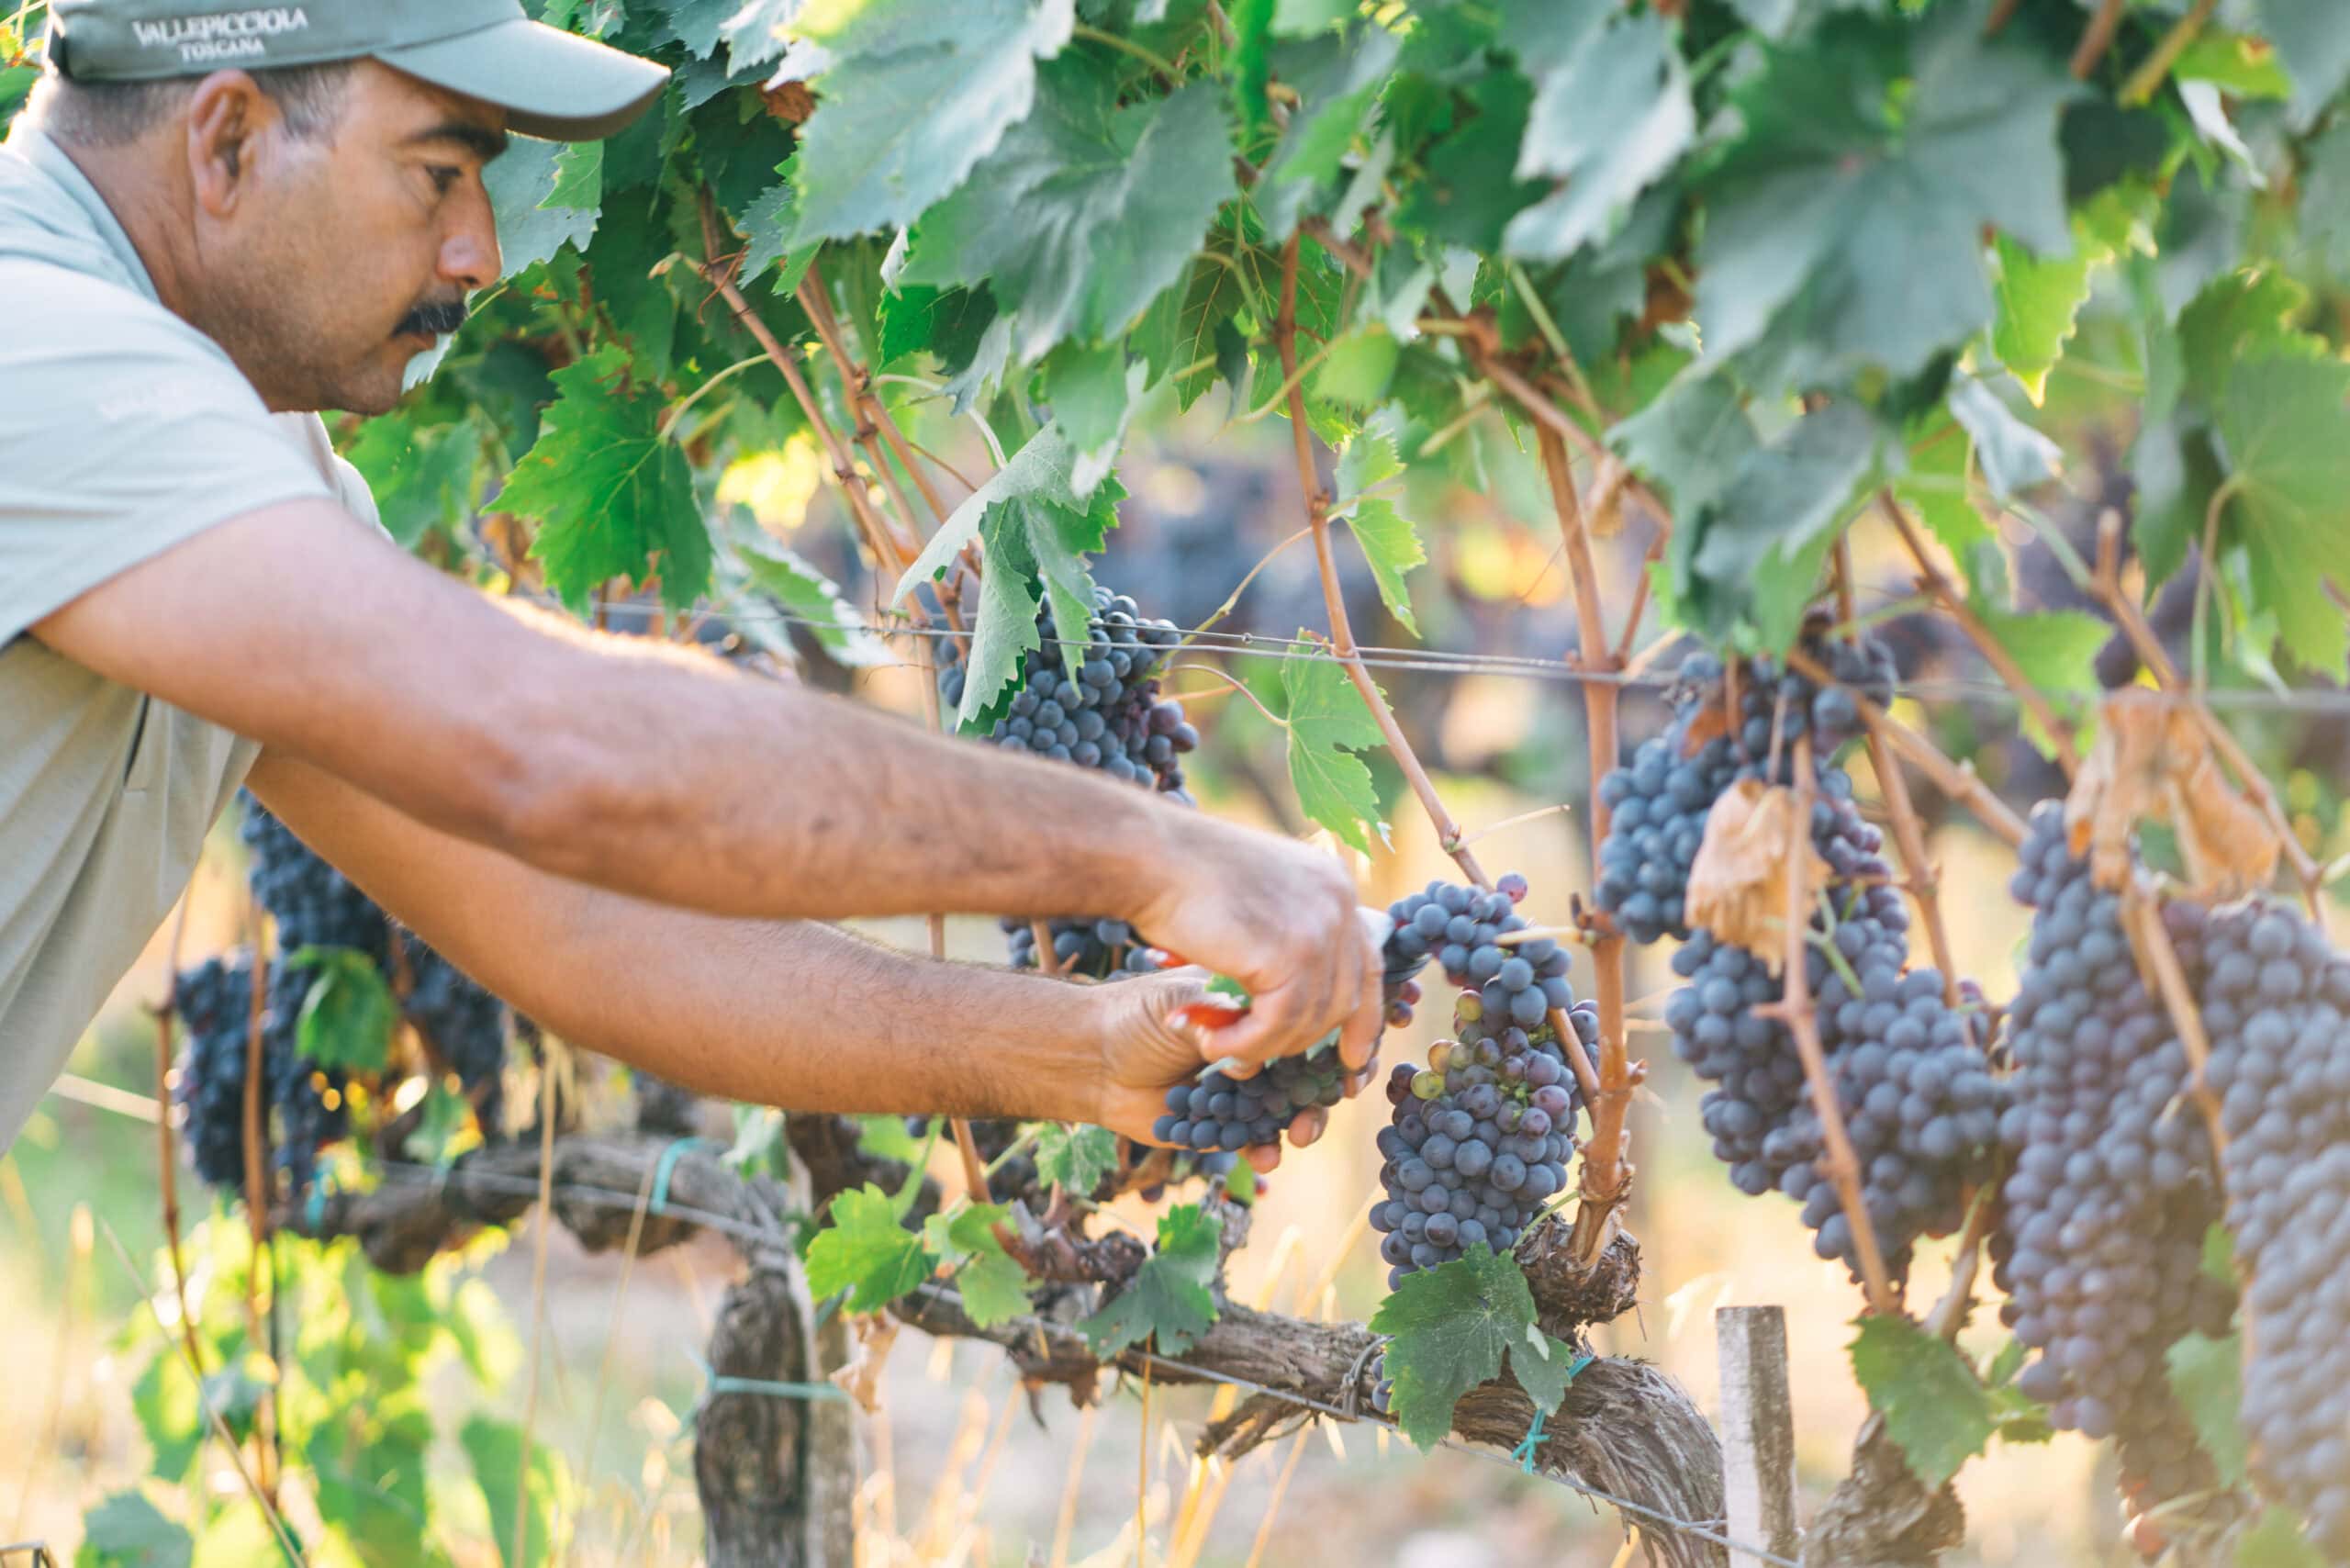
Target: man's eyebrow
480, 140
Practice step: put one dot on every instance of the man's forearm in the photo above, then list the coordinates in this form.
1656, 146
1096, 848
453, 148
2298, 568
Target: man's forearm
809, 1017
782, 1012
679, 779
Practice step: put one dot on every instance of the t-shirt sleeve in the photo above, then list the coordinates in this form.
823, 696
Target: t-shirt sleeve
123, 431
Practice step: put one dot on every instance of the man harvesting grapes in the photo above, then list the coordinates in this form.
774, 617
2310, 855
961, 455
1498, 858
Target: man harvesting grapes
219, 222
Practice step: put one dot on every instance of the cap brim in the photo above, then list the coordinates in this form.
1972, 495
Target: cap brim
552, 84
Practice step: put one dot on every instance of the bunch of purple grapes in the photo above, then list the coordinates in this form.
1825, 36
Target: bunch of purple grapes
1479, 1139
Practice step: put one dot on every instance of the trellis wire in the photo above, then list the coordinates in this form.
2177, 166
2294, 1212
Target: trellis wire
427, 1175
1251, 644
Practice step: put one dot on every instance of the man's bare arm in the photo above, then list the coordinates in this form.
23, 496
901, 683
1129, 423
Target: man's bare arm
664, 775
778, 1013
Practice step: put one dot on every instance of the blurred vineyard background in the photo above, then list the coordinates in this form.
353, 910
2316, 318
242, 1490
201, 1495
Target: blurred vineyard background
960, 1468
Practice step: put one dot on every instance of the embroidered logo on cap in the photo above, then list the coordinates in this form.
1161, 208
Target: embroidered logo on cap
224, 35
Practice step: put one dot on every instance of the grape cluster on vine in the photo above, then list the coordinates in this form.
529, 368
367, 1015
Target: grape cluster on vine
1108, 715
2110, 1189
1918, 1103
1479, 1139
1659, 800
313, 905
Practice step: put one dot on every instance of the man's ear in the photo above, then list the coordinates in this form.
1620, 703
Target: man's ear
226, 118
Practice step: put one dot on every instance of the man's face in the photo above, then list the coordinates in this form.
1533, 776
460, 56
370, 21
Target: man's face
347, 253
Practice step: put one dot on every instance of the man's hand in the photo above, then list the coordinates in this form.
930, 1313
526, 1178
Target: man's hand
1282, 919
1147, 1050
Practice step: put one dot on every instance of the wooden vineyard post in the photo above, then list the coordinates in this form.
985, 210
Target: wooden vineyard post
1758, 1432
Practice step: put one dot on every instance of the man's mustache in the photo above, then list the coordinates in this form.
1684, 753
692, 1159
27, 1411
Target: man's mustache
435, 317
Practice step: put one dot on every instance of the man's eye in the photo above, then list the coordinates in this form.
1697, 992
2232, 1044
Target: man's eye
445, 178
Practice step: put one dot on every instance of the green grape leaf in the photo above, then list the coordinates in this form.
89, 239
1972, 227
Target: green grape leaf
2245, 67
1076, 1156
127, 1530
2281, 421
699, 24
170, 1408
2325, 199
495, 1449
1611, 114
579, 177
2206, 1377
531, 226
994, 1288
915, 94
755, 34
804, 591
1452, 1327
1845, 229
1690, 440
984, 369
1327, 725
2015, 458
767, 223
1171, 1298
2037, 301
1370, 460
2236, 318
865, 1252
368, 1467
347, 1013
610, 492
1337, 79
1753, 553
947, 323
423, 476
1393, 547
1934, 1406
240, 1536
1934, 483
1355, 371
2274, 1540
1181, 334
886, 1137
1086, 211
1469, 190
2312, 39
1034, 524
1087, 389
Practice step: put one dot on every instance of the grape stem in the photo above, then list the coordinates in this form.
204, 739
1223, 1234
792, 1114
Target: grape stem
2105, 584
1949, 1314
1606, 1174
1342, 637
1923, 878
1794, 1009
2095, 38
257, 1188
1935, 581
2149, 943
875, 425
167, 1165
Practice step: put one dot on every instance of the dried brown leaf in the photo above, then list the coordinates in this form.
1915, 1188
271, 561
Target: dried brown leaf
861, 1378
1756, 837
2152, 762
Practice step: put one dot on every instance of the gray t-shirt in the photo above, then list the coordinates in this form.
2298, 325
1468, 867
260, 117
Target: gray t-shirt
123, 432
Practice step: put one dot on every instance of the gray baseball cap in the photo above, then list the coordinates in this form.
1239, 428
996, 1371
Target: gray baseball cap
552, 84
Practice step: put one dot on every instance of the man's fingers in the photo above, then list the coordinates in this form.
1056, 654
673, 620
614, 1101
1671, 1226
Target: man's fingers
1360, 1035
1308, 1124
1263, 1156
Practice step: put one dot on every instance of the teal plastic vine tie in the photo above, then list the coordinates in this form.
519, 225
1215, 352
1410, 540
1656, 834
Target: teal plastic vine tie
667, 1166
722, 1383
1525, 1451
